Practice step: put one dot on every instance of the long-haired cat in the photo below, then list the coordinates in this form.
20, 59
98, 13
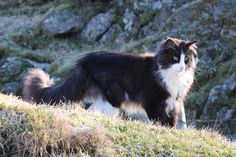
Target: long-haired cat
156, 83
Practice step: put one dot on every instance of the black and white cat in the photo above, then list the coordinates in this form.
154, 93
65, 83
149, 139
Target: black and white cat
156, 83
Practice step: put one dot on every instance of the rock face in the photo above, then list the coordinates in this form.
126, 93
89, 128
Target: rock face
97, 26
62, 22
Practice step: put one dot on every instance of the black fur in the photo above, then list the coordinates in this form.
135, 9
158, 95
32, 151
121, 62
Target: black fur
110, 75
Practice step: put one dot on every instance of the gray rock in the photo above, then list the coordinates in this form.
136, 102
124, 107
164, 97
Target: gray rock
233, 137
12, 87
214, 94
157, 5
224, 114
111, 35
229, 85
168, 2
6, 3
11, 67
146, 5
62, 22
97, 26
122, 38
43, 66
218, 12
222, 92
139, 117
225, 89
14, 25
12, 70
156, 25
166, 155
142, 4
128, 19
118, 2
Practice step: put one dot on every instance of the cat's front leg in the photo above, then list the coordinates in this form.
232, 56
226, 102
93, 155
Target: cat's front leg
172, 118
182, 122
157, 113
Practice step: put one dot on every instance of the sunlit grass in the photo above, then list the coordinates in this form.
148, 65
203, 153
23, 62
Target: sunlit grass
32, 130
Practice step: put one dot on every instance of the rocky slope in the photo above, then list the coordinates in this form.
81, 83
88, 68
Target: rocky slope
51, 34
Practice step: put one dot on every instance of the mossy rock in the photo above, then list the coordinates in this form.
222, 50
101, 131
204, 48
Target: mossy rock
11, 68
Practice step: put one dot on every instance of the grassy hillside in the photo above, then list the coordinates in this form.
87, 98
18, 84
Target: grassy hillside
30, 130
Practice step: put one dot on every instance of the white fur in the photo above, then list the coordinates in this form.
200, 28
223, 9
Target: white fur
103, 106
177, 83
126, 96
180, 67
182, 123
131, 107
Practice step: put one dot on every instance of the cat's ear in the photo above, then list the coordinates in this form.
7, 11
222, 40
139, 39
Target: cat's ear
170, 43
189, 44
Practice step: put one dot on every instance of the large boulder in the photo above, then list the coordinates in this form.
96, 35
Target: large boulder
62, 22
97, 26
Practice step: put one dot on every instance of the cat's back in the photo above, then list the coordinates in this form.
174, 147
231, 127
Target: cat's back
104, 59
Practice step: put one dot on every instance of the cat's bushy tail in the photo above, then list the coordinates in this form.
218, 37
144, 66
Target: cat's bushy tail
39, 88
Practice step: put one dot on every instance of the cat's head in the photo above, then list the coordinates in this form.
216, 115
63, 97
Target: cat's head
179, 55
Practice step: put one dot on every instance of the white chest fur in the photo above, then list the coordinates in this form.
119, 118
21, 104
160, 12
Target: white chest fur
177, 85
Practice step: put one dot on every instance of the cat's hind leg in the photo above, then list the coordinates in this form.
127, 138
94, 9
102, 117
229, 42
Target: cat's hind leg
101, 105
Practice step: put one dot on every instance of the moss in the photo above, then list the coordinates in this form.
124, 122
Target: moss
226, 68
6, 49
37, 55
66, 6
31, 41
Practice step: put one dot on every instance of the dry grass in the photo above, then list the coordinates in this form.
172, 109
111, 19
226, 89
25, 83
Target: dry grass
31, 130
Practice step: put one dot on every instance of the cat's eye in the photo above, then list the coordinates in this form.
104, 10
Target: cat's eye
176, 58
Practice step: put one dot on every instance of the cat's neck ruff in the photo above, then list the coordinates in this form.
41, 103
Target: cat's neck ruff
177, 84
